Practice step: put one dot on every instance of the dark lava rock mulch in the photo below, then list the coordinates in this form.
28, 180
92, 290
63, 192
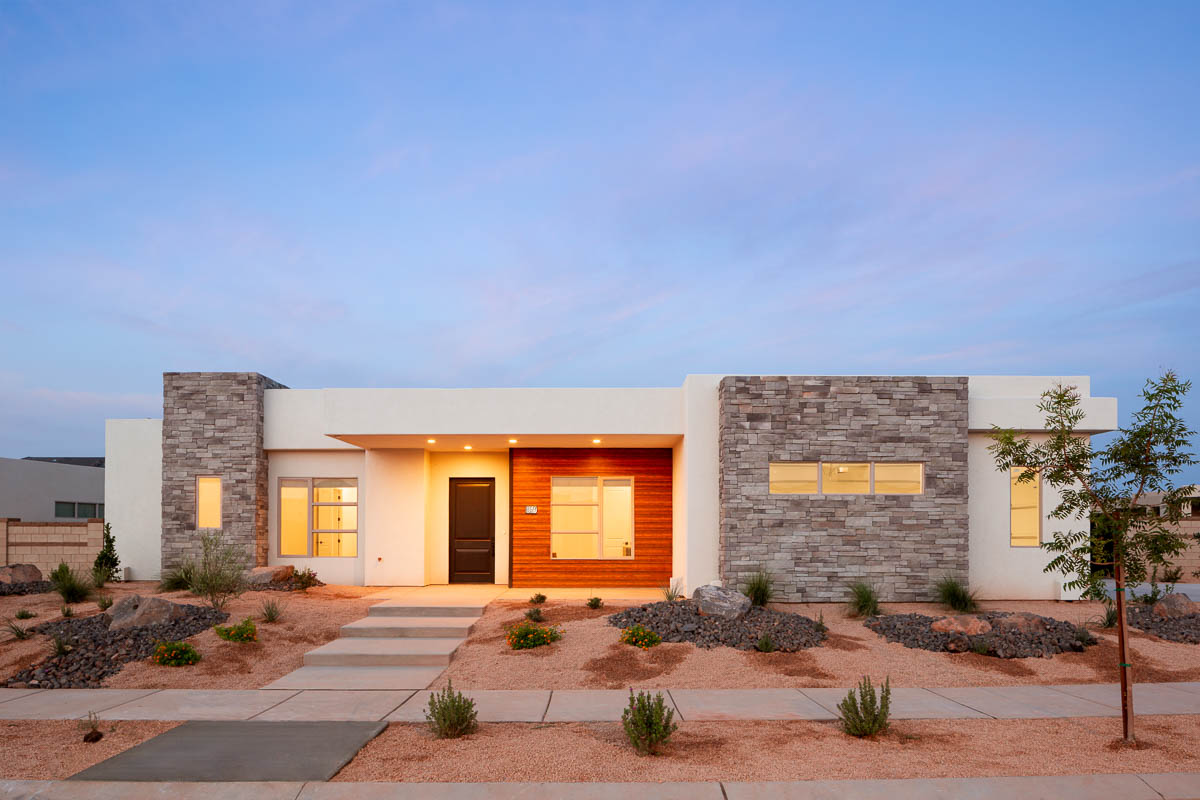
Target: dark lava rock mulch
912, 630
96, 652
1185, 629
681, 622
30, 587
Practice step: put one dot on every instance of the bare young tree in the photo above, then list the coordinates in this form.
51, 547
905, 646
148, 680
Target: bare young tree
1108, 486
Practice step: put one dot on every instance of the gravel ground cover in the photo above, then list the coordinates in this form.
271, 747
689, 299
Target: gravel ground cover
47, 750
776, 751
681, 621
1184, 629
28, 587
1011, 635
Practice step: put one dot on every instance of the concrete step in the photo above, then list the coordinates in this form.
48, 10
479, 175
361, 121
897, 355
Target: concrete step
383, 653
393, 678
399, 608
408, 628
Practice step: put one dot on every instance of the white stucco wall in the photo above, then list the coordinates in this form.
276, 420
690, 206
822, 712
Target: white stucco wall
697, 475
133, 492
395, 489
28, 489
443, 467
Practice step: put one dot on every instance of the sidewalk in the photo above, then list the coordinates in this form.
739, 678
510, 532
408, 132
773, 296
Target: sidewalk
1168, 786
590, 705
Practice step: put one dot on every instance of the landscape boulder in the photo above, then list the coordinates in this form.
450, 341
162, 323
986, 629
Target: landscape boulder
135, 611
20, 573
966, 624
262, 576
1175, 605
717, 601
1021, 622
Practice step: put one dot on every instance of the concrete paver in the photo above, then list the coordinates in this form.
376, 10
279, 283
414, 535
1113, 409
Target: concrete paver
718, 704
336, 705
208, 704
906, 703
1174, 785
588, 705
1148, 698
510, 791
68, 703
1024, 702
13, 694
367, 678
1065, 787
491, 705
123, 790
375, 652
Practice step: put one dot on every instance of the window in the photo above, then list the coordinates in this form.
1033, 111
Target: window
85, 510
1025, 509
62, 509
101, 512
591, 518
318, 517
811, 477
208, 502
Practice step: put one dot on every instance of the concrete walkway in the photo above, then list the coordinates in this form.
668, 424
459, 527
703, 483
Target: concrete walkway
590, 705
1160, 786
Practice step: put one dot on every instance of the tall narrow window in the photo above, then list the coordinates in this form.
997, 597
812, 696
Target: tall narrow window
335, 516
1025, 509
591, 517
208, 502
293, 517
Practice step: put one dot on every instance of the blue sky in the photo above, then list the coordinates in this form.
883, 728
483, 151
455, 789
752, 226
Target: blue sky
457, 194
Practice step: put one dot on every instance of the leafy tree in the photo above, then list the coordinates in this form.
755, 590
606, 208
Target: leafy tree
1108, 485
104, 568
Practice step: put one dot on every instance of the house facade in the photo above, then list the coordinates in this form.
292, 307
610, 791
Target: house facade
819, 480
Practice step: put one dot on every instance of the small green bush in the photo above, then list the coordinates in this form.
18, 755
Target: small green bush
104, 568
1084, 636
866, 714
534, 614
219, 575
67, 611
821, 626
672, 591
955, 595
17, 631
640, 636
528, 635
104, 602
244, 631
175, 654
24, 613
60, 646
178, 579
981, 646
270, 610
594, 602
759, 589
648, 722
304, 579
765, 644
71, 586
451, 714
1110, 617
864, 602
538, 599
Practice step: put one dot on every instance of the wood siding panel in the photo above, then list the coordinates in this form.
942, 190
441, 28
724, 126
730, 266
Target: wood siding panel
532, 470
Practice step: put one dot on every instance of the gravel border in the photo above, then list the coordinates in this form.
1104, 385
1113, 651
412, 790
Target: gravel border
1185, 630
29, 587
914, 631
681, 621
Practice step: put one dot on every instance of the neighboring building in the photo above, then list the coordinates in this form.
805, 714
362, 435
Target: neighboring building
820, 480
51, 489
1189, 526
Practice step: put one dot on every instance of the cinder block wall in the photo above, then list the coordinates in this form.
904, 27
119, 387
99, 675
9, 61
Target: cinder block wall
213, 425
815, 546
48, 544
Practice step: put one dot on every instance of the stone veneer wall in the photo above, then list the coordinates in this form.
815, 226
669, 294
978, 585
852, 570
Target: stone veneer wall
213, 425
815, 546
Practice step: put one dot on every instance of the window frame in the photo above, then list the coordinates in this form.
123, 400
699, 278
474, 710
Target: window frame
871, 490
310, 506
220, 502
1040, 529
599, 506
70, 503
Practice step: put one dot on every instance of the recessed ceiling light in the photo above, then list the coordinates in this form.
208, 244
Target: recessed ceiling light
466, 447
512, 441
595, 441
432, 441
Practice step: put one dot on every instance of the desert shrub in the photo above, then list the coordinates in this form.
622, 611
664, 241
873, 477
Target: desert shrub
867, 713
1109, 618
534, 614
24, 613
60, 646
104, 602
759, 589
304, 579
640, 636
821, 626
67, 611
270, 610
244, 631
864, 602
219, 574
594, 602
954, 594
980, 646
527, 635
17, 631
178, 579
672, 591
1083, 635
765, 644
175, 654
648, 722
91, 728
71, 586
104, 568
1172, 574
538, 599
451, 714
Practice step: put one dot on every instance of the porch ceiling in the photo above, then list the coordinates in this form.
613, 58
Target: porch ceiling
458, 442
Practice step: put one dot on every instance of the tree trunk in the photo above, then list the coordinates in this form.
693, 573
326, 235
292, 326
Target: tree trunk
1123, 649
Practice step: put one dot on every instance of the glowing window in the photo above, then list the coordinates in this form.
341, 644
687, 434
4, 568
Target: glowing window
318, 517
796, 477
293, 517
845, 478
591, 518
208, 502
1025, 509
893, 478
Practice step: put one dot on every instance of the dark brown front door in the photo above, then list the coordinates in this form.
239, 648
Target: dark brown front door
472, 530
